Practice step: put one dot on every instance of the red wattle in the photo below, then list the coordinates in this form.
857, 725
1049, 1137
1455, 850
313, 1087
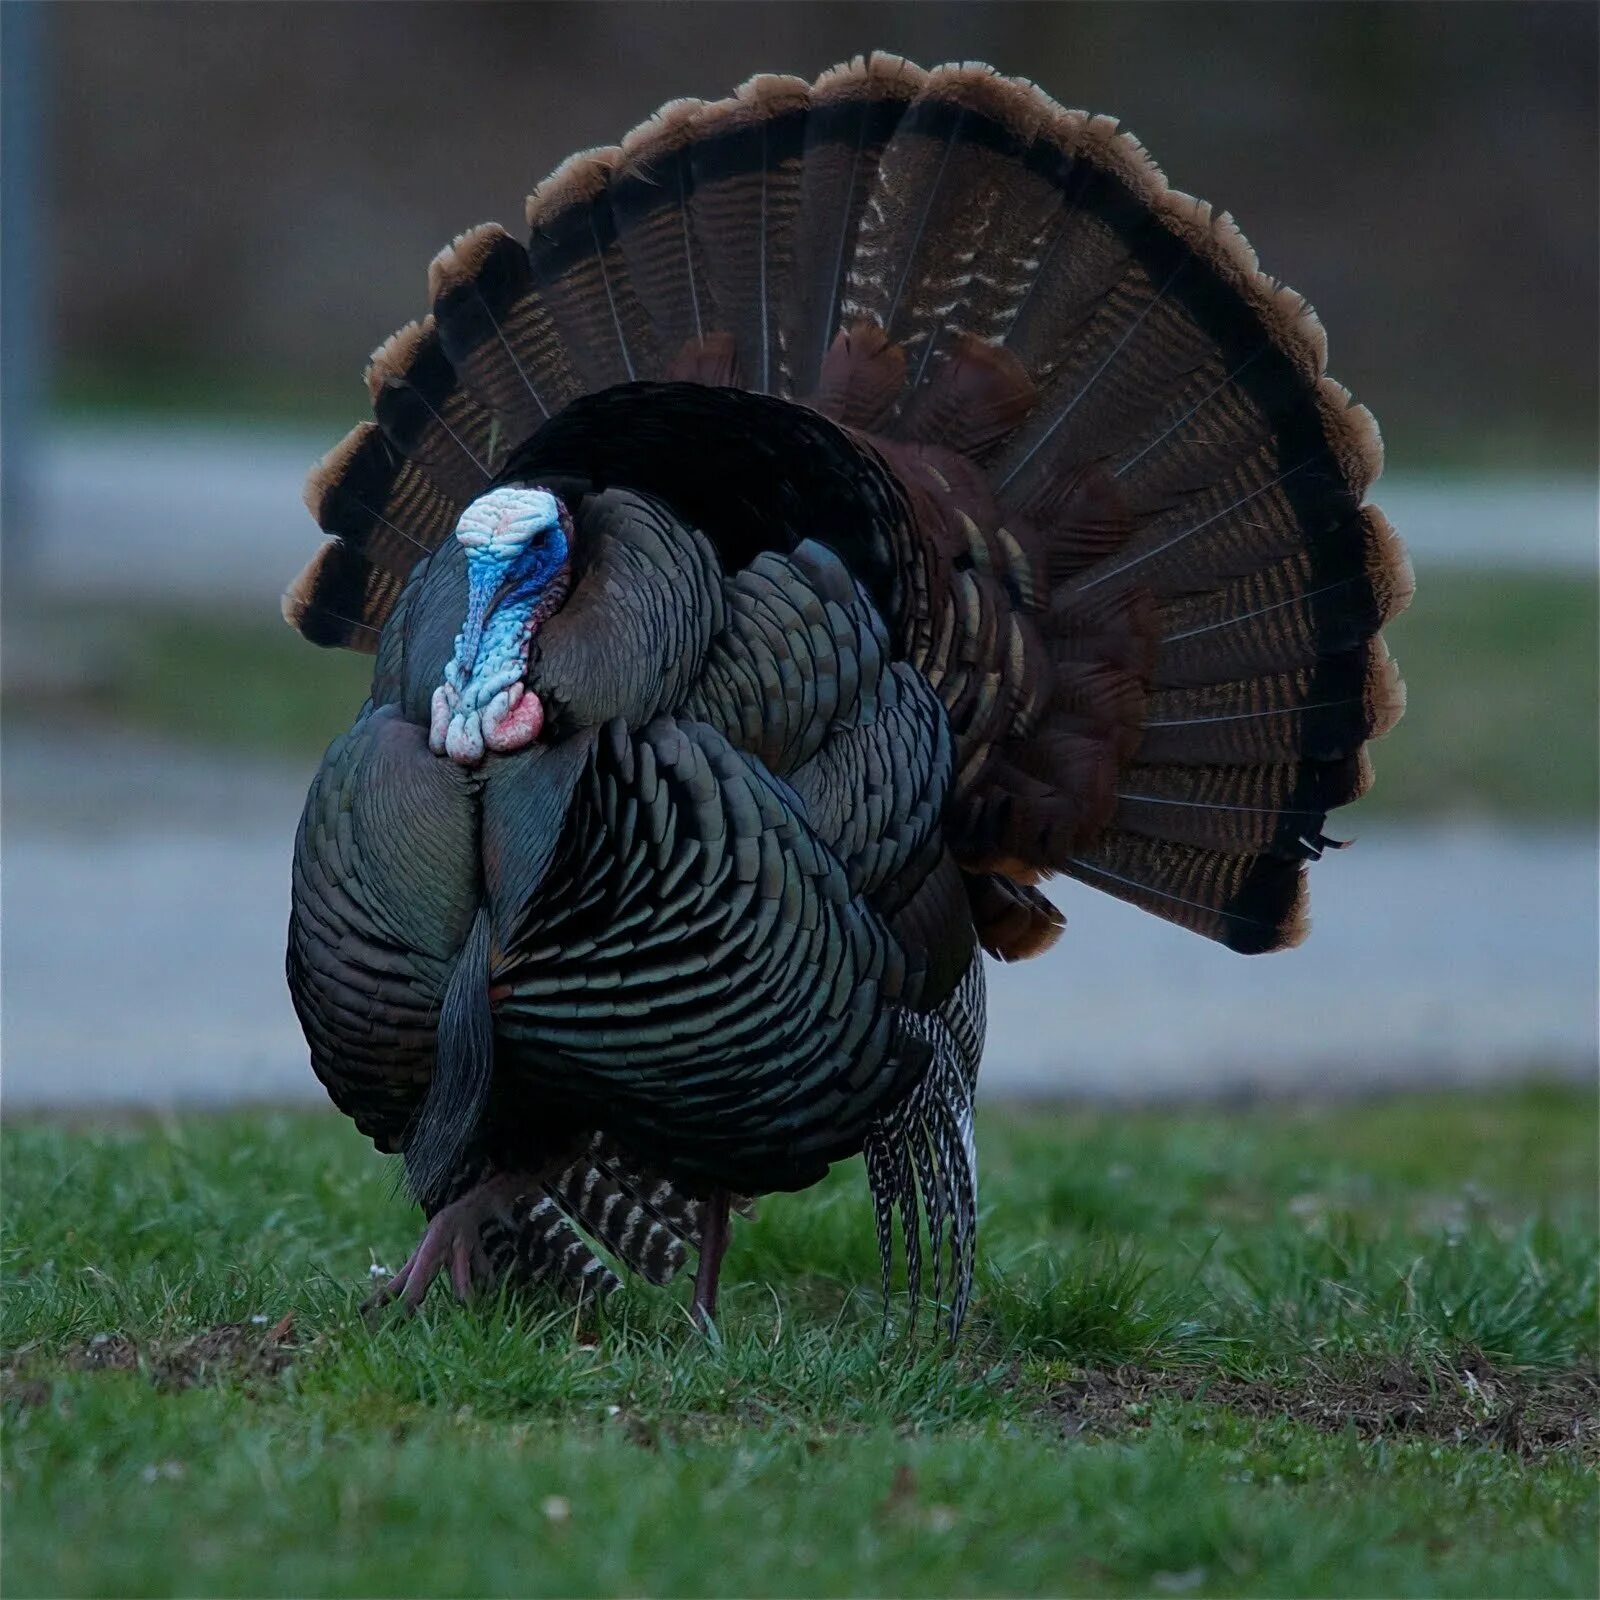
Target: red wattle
520, 725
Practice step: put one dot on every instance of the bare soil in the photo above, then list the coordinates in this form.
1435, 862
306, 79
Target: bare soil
1527, 1415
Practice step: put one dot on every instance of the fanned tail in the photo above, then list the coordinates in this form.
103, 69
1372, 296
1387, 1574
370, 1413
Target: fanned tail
1137, 563
1166, 566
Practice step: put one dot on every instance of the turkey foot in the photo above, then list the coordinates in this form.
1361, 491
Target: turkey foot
453, 1239
713, 1246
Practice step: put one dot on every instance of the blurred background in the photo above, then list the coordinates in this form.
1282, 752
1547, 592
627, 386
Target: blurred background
212, 213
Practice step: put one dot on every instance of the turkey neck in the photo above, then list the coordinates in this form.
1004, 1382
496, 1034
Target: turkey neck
629, 641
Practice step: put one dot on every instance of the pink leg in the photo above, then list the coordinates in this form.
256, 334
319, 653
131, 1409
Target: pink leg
713, 1246
452, 1242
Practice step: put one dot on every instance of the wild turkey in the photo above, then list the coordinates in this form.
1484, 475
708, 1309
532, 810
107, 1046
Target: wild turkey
857, 503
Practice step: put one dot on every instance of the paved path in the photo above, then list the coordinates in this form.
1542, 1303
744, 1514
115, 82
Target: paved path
216, 513
145, 893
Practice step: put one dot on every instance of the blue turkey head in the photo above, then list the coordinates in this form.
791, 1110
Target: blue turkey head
519, 568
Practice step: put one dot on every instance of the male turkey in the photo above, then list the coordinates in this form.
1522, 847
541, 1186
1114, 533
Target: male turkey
857, 503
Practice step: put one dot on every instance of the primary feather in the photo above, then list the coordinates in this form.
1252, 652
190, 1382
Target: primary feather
953, 504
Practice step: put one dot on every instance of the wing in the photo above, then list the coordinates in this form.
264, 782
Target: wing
385, 889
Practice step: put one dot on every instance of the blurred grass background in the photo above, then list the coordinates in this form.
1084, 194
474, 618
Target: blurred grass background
1501, 701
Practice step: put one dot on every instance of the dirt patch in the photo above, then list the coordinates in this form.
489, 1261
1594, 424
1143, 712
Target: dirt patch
232, 1352
115, 1352
1473, 1404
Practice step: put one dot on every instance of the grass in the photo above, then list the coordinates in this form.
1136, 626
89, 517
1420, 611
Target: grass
179, 392
156, 387
1502, 704
226, 682
1500, 670
1270, 1352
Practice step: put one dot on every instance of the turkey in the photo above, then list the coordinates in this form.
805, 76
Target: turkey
855, 504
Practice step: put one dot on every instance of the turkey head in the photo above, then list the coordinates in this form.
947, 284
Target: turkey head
518, 544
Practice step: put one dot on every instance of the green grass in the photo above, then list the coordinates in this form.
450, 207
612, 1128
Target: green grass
1501, 709
226, 682
1500, 671
157, 389
153, 386
1271, 1352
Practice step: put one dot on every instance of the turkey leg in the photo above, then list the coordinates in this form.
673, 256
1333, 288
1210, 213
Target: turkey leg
713, 1246
453, 1239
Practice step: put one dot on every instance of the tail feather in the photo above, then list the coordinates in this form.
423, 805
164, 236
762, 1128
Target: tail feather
427, 416
335, 594
1108, 192
498, 335
1308, 606
746, 162
855, 109
379, 502
651, 201
582, 275
861, 378
385, 514
1317, 712
1252, 904
946, 173
1277, 809
1013, 920
1297, 492
973, 395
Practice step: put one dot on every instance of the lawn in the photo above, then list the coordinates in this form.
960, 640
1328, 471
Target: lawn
1281, 1351
1499, 667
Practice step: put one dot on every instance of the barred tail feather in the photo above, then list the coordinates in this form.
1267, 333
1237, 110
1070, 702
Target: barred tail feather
498, 334
545, 1249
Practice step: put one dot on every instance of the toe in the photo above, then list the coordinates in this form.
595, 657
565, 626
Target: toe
391, 1291
461, 1267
